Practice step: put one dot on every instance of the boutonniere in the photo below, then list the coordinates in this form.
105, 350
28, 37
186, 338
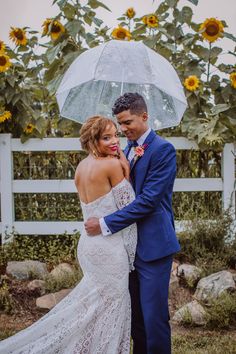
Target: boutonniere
139, 151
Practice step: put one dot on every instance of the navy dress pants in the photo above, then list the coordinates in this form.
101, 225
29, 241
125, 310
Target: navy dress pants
149, 285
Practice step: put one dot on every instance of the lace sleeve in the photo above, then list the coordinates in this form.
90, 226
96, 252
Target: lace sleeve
124, 195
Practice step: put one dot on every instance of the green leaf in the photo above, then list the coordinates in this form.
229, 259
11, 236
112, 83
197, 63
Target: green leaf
202, 52
194, 2
171, 3
214, 82
97, 21
161, 9
215, 51
187, 14
94, 4
220, 108
69, 11
230, 36
53, 51
73, 27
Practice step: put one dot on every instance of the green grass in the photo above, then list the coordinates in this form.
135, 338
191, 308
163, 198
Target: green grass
212, 343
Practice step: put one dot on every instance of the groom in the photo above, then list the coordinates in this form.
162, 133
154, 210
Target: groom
153, 170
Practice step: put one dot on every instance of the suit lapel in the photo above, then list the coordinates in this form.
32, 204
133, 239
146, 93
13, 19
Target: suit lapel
147, 141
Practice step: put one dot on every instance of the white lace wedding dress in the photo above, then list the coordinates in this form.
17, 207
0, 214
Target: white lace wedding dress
95, 317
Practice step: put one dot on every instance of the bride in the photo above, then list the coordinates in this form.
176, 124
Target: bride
95, 317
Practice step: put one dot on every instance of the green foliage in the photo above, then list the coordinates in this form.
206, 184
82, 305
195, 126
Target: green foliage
203, 343
209, 244
52, 249
27, 90
64, 281
6, 301
222, 312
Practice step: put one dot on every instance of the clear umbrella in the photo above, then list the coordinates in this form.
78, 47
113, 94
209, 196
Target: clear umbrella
100, 75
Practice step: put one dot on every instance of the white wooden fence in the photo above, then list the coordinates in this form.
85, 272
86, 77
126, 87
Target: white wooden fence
9, 186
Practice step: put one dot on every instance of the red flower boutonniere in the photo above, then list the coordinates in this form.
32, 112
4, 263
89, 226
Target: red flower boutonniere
139, 151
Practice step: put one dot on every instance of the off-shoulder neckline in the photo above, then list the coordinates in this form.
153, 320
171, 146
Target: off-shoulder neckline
104, 195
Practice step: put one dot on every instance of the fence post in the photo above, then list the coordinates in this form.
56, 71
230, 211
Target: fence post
228, 176
7, 202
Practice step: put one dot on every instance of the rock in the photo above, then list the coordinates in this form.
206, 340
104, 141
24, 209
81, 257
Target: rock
189, 272
173, 285
174, 268
26, 269
38, 285
192, 313
61, 270
50, 300
211, 287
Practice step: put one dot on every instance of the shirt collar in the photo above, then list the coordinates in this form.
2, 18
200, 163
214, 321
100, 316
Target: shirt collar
143, 137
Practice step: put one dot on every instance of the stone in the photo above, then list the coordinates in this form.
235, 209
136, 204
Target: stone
192, 312
61, 270
38, 285
48, 301
174, 267
189, 272
173, 285
26, 269
211, 287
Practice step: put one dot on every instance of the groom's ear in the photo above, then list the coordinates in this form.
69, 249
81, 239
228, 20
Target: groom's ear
145, 116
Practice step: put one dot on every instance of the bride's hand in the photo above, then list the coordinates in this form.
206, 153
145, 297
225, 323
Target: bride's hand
124, 163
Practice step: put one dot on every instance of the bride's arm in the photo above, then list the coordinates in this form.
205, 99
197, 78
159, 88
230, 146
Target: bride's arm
124, 164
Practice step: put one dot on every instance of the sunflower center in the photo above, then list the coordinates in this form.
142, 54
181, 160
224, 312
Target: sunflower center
3, 60
191, 82
212, 29
19, 35
56, 28
121, 34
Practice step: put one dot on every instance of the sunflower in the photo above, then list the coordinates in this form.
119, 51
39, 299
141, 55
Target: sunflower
29, 128
54, 28
130, 13
233, 79
121, 33
191, 83
211, 29
150, 21
4, 62
18, 36
5, 116
2, 46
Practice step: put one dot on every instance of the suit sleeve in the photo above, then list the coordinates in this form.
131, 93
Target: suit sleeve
161, 173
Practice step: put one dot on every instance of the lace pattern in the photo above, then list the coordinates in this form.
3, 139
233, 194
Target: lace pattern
124, 195
95, 318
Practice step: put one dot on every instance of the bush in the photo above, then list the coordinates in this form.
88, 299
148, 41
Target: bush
222, 313
52, 249
6, 301
65, 281
206, 243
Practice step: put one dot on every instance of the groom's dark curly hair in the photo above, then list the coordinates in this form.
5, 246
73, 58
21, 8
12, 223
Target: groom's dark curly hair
130, 101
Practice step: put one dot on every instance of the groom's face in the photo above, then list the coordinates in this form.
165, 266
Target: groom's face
132, 125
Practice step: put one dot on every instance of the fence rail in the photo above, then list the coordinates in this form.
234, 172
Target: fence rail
9, 186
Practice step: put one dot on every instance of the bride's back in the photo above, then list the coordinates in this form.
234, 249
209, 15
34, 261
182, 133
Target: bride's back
92, 178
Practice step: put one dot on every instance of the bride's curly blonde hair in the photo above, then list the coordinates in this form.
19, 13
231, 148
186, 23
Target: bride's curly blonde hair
91, 132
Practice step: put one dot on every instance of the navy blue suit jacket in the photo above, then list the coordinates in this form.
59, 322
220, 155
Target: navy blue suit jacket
152, 177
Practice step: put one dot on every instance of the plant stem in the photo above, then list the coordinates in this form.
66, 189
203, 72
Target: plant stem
209, 63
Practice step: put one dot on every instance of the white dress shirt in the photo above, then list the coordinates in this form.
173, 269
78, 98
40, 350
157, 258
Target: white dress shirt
104, 228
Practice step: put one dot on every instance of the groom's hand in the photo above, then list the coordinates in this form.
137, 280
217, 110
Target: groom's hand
92, 227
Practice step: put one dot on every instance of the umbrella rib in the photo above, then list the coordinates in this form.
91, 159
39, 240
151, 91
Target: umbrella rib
100, 58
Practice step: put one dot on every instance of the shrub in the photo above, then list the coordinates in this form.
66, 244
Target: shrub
64, 281
207, 243
222, 313
52, 249
6, 301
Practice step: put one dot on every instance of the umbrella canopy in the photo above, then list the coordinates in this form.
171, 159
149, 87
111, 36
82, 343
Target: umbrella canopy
100, 75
